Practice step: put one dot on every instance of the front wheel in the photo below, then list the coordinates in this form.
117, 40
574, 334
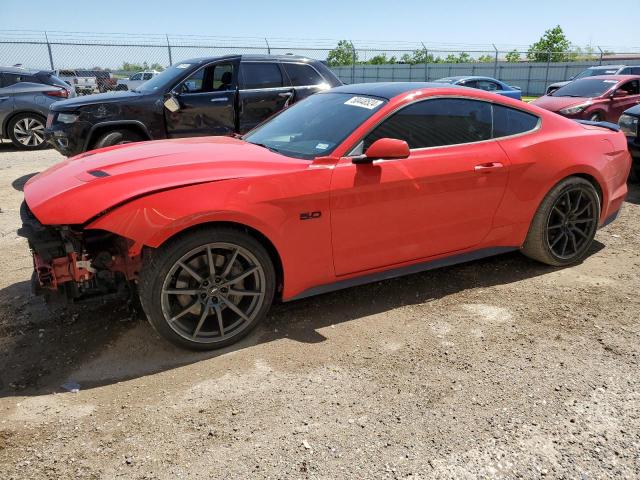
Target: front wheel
207, 289
117, 137
26, 131
563, 228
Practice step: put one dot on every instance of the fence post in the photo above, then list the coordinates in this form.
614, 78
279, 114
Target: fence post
268, 46
353, 62
529, 79
49, 49
546, 75
426, 62
169, 49
495, 62
601, 53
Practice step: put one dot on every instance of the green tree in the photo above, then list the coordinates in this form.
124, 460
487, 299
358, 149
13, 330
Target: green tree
380, 59
486, 58
552, 46
513, 56
157, 67
343, 54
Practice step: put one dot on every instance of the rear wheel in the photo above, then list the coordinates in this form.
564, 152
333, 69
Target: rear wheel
207, 289
563, 228
117, 137
26, 131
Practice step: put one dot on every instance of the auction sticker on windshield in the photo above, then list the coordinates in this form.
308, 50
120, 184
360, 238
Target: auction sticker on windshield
364, 102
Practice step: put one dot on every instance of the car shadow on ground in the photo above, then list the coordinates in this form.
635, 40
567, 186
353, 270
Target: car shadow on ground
101, 345
634, 193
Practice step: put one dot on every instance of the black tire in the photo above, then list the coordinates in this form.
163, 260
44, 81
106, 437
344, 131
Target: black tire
26, 131
158, 277
117, 137
550, 227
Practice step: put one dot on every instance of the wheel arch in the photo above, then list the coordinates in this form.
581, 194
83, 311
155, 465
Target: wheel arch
103, 127
263, 239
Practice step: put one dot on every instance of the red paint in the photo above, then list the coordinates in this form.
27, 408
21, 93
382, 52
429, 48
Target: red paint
435, 203
607, 107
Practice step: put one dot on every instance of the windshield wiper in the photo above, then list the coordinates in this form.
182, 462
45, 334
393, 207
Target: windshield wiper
275, 150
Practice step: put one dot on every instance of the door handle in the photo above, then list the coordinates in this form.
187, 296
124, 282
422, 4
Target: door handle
225, 99
487, 167
285, 94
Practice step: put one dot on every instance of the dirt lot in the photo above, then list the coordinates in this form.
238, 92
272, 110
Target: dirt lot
501, 368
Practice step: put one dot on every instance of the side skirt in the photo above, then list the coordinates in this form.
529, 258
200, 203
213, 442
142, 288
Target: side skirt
401, 271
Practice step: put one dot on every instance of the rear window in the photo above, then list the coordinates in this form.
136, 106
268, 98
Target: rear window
302, 75
260, 75
9, 79
588, 87
509, 121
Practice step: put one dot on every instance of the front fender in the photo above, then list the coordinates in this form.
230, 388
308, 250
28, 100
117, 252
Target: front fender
272, 208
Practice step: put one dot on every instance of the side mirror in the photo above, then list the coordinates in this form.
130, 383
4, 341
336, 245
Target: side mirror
619, 93
384, 149
172, 104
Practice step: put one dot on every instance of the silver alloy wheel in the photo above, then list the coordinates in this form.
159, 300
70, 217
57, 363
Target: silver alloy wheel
213, 292
29, 132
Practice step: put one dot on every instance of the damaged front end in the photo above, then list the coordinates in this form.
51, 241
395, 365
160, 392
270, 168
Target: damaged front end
76, 265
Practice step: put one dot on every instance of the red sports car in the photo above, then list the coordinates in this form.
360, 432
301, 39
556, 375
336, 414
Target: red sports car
602, 98
360, 183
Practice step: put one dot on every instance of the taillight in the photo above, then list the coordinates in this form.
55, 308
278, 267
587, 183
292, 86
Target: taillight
62, 93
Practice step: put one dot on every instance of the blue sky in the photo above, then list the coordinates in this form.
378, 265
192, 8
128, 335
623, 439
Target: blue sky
459, 21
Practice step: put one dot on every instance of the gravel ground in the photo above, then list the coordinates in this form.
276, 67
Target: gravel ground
500, 368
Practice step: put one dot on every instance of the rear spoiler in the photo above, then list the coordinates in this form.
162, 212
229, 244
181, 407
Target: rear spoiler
614, 127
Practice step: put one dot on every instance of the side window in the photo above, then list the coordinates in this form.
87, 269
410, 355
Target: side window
635, 71
223, 77
211, 78
509, 121
470, 84
146, 76
11, 79
136, 76
632, 87
302, 75
438, 122
488, 86
625, 71
260, 75
3, 82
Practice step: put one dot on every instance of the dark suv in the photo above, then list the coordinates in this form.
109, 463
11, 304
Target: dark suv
204, 96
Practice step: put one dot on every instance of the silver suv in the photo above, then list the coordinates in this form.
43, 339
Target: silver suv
25, 96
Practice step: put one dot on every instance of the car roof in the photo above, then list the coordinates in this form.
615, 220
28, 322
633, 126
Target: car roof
254, 57
17, 70
606, 67
470, 77
610, 77
387, 90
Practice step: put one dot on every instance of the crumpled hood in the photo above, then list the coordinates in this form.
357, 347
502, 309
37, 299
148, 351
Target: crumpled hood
98, 98
82, 187
558, 103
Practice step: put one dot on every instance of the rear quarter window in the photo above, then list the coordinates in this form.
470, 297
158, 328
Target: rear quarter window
509, 121
302, 75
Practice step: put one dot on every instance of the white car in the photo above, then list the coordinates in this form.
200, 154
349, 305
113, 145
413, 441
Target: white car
135, 80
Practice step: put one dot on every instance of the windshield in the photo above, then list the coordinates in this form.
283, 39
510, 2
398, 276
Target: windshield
168, 76
592, 72
589, 88
316, 125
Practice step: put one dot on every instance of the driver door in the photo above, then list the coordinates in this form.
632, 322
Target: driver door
207, 100
619, 104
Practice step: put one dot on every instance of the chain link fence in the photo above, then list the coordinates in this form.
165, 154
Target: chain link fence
353, 62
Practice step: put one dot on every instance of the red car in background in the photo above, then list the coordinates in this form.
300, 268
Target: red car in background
601, 98
356, 184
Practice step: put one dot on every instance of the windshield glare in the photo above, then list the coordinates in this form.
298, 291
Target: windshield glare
589, 88
315, 126
168, 76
